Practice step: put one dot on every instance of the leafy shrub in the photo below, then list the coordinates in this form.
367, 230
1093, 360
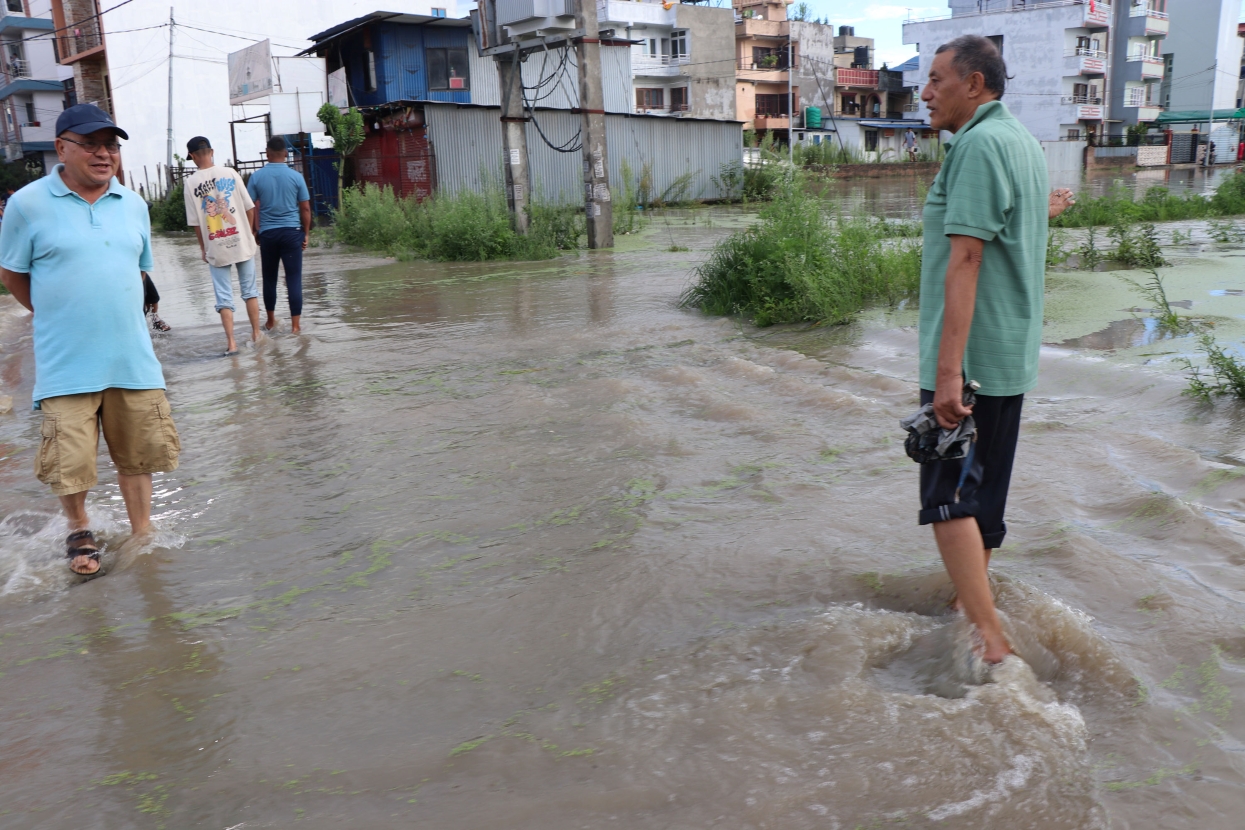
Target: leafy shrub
799, 265
169, 213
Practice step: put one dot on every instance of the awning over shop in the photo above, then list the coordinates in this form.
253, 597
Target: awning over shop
1200, 116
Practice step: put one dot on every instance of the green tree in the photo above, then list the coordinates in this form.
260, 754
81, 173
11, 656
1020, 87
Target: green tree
347, 131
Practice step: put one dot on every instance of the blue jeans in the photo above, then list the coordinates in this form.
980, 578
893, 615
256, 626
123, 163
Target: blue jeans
222, 283
282, 246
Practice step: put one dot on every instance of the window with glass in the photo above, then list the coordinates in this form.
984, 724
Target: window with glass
678, 44
650, 99
16, 6
438, 12
871, 140
447, 69
771, 105
30, 114
369, 71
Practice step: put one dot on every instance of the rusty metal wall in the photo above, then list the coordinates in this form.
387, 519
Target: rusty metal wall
467, 145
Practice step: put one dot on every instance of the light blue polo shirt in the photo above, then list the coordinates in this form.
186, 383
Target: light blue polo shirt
278, 189
86, 286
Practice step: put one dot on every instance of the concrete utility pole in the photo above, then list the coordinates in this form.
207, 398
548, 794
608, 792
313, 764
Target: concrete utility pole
168, 161
514, 139
598, 207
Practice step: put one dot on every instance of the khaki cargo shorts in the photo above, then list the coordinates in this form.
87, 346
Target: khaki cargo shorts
138, 429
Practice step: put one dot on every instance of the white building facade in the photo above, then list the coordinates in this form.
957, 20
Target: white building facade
33, 93
1057, 53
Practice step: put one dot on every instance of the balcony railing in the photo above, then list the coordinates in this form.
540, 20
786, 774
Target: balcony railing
17, 68
1081, 99
1086, 52
764, 65
659, 61
1142, 56
1137, 98
79, 37
1102, 11
867, 78
911, 107
1146, 11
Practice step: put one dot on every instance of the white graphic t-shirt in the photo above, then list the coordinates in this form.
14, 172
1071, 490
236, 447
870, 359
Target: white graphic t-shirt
217, 202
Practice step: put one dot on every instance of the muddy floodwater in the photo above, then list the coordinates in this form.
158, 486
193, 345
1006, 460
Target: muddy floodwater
527, 546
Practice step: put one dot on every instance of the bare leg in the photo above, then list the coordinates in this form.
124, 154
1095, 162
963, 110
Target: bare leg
226, 320
74, 506
271, 322
964, 555
295, 326
136, 491
252, 313
955, 600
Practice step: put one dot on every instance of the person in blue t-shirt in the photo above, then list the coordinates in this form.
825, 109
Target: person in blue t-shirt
283, 223
73, 249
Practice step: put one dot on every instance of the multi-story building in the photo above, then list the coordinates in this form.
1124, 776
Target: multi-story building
33, 93
1058, 54
1137, 62
1203, 51
679, 58
80, 45
764, 50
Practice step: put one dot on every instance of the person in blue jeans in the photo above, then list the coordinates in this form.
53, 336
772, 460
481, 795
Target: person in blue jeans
283, 222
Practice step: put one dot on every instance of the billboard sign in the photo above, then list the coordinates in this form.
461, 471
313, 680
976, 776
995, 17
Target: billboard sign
250, 72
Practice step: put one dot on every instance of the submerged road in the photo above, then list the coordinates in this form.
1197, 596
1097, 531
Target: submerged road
524, 545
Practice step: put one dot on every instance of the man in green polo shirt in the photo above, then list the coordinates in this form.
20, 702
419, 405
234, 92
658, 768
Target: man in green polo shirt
982, 282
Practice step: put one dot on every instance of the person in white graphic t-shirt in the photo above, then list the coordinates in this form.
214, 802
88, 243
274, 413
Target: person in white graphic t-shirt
213, 198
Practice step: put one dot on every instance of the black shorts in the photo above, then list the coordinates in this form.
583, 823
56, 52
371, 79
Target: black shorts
976, 485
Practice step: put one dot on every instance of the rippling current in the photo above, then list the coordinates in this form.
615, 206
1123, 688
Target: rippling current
527, 546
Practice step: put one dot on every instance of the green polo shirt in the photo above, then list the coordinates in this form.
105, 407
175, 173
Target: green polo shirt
993, 185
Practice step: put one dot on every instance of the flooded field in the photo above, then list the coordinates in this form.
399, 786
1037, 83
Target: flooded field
527, 546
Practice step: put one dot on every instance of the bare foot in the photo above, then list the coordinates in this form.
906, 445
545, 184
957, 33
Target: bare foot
271, 323
231, 347
295, 325
995, 653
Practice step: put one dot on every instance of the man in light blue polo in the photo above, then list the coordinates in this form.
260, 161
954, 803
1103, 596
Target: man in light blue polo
282, 225
73, 249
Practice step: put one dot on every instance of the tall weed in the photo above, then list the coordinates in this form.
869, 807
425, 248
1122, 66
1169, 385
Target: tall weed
800, 265
464, 226
1157, 205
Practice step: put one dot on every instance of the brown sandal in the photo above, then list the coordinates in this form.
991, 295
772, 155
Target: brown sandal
82, 543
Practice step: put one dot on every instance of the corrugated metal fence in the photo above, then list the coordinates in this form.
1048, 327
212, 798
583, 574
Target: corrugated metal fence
467, 144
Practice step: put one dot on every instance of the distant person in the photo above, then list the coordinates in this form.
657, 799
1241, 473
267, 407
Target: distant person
982, 283
282, 224
73, 250
213, 195
910, 144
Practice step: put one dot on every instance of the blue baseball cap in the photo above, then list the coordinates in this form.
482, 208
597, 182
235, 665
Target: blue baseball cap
86, 118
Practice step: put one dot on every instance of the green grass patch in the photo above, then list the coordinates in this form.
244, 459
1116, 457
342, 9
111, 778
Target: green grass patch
460, 227
1157, 205
801, 264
